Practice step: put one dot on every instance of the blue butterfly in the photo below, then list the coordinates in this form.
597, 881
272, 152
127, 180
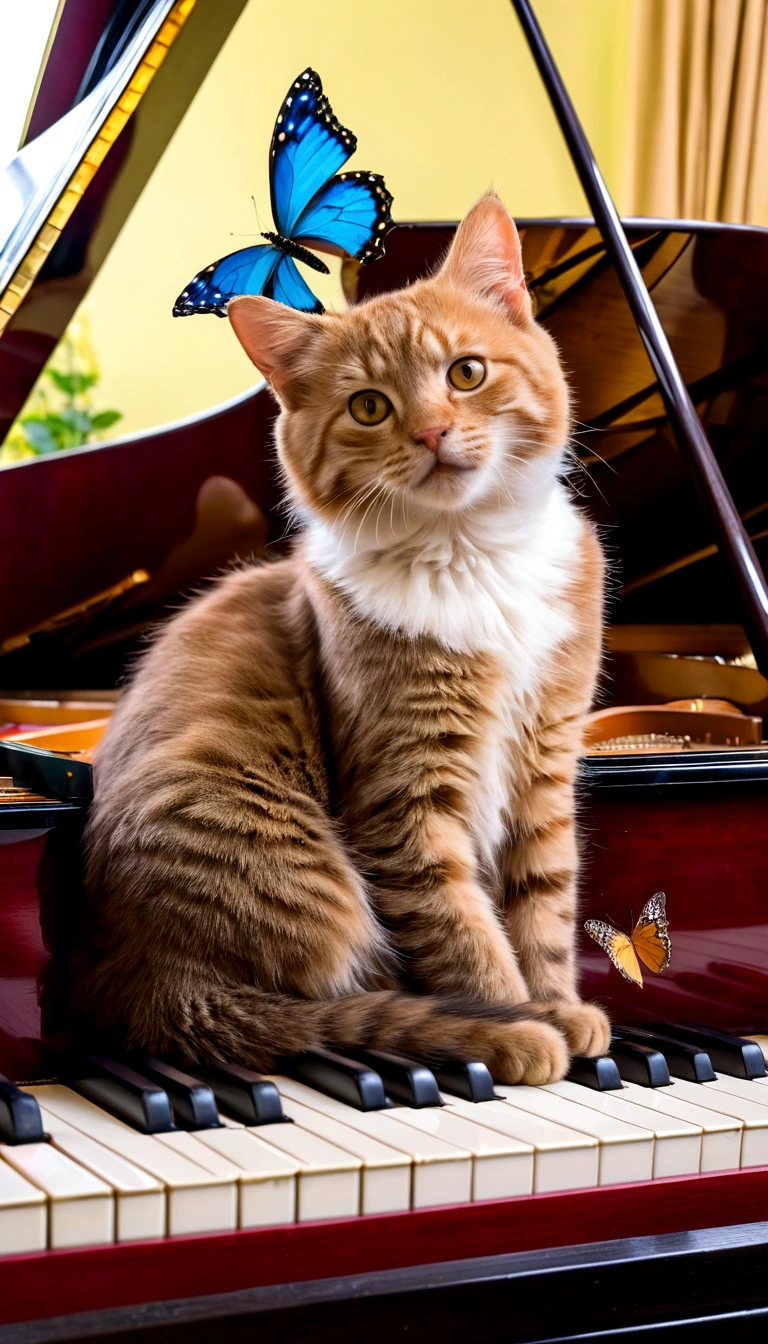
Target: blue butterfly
347, 214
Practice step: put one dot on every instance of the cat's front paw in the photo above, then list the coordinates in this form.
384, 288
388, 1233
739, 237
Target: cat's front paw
585, 1027
528, 1052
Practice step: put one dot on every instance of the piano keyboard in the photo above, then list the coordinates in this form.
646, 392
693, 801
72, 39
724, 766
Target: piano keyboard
78, 1175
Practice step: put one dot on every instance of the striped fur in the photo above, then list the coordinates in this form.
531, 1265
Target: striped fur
336, 805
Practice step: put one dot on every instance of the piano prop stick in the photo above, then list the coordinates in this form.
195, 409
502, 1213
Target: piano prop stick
691, 437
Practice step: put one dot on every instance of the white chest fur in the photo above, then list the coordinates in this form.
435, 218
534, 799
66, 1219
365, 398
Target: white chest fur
496, 584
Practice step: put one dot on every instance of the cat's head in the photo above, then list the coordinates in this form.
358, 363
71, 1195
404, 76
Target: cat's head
439, 397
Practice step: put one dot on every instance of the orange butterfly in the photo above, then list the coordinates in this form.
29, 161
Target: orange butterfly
649, 941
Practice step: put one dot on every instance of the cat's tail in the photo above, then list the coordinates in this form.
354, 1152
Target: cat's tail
518, 1044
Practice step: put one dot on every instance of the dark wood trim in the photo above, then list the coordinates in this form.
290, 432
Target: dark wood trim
687, 769
631, 1284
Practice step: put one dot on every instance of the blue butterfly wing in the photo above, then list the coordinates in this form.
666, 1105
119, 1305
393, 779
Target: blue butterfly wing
287, 286
309, 145
245, 272
349, 215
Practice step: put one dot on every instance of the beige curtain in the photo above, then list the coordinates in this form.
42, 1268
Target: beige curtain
699, 132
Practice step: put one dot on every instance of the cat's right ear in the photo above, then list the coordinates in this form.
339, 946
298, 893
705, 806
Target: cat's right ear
486, 259
276, 339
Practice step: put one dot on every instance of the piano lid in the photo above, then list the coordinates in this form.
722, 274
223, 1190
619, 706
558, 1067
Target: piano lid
117, 82
710, 285
82, 524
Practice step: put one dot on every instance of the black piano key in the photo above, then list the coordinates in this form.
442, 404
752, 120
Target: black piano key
469, 1079
119, 1090
345, 1079
193, 1102
20, 1119
640, 1064
601, 1074
729, 1054
245, 1095
683, 1061
404, 1080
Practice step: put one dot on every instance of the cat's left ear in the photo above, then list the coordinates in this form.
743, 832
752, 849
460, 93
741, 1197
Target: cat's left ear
486, 258
277, 339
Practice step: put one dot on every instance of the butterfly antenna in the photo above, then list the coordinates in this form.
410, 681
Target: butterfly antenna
259, 220
259, 224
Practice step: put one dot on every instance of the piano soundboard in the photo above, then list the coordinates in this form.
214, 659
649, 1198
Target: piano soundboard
115, 1151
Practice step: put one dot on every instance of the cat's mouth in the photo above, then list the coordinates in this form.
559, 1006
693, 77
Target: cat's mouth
440, 468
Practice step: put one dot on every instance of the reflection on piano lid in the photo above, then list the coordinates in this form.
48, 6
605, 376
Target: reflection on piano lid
656, 664
114, 57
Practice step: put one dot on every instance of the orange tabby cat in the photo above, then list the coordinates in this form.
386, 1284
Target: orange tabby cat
335, 807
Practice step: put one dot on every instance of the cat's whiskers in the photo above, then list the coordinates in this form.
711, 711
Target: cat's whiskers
379, 488
378, 515
356, 502
570, 452
366, 492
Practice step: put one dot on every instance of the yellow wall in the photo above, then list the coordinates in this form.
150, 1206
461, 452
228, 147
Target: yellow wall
445, 101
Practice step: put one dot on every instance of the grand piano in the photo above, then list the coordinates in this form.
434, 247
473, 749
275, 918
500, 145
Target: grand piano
375, 1194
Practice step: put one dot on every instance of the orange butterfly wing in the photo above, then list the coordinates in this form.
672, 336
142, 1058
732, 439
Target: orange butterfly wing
619, 947
650, 939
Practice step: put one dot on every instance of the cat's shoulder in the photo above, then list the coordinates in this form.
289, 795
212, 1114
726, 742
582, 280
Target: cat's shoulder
242, 590
246, 604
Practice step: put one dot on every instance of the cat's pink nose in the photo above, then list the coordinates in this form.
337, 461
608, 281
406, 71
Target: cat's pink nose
432, 437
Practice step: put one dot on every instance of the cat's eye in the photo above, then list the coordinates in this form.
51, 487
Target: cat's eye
369, 408
466, 374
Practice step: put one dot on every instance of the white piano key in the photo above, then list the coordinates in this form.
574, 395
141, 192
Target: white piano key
329, 1178
751, 1089
677, 1146
441, 1172
721, 1134
501, 1166
386, 1173
564, 1159
81, 1208
139, 1197
626, 1151
196, 1200
188, 1145
23, 1212
762, 1041
267, 1178
754, 1138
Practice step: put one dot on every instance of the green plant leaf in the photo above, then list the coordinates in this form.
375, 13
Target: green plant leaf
40, 435
77, 422
105, 419
73, 384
